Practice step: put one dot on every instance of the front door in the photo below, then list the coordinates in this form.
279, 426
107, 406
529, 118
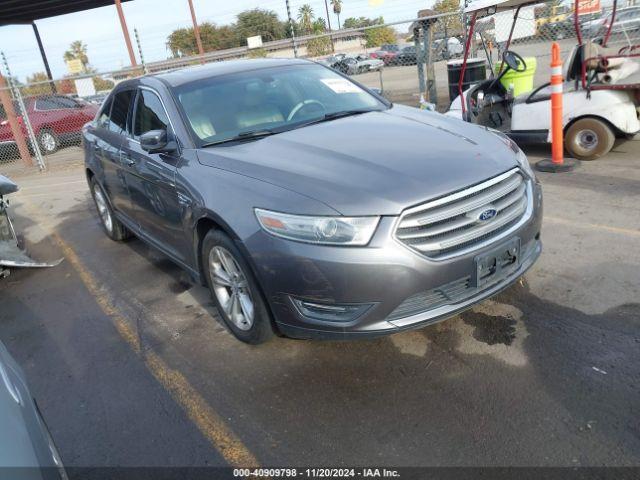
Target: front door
109, 134
151, 178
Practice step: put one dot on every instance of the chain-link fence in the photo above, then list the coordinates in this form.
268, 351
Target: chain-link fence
414, 62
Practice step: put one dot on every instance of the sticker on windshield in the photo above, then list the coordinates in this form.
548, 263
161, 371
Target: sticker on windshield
340, 85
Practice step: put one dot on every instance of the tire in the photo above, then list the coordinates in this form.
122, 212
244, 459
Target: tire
48, 141
235, 290
589, 139
110, 224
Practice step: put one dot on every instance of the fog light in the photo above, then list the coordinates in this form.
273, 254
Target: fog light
333, 312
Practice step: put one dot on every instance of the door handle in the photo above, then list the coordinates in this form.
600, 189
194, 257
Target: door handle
128, 161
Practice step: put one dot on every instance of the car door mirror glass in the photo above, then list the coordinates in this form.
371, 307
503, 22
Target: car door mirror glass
157, 141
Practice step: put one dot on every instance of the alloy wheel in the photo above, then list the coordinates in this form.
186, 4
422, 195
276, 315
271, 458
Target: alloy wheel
231, 288
48, 141
103, 209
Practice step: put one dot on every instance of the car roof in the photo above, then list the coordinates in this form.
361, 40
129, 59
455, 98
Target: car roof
189, 74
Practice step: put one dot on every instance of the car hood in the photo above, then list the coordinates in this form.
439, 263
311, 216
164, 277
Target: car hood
376, 163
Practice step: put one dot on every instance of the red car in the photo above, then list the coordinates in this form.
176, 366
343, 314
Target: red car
56, 120
387, 53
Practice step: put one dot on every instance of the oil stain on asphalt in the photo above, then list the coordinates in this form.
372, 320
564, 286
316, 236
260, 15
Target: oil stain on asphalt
490, 328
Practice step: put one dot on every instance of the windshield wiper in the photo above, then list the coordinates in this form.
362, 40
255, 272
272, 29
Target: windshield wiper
341, 114
251, 134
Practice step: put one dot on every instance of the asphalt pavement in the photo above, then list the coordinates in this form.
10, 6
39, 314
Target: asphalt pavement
132, 367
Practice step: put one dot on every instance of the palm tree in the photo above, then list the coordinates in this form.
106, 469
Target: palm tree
78, 51
305, 15
337, 8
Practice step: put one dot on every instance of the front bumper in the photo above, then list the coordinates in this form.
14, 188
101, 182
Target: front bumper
385, 274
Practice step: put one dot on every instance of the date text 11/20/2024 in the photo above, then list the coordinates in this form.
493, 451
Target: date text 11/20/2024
316, 473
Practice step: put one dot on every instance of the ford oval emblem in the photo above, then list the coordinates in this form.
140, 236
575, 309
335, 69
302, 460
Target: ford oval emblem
488, 214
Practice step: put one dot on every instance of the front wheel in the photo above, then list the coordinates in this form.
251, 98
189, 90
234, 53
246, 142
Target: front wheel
114, 229
235, 290
48, 141
589, 139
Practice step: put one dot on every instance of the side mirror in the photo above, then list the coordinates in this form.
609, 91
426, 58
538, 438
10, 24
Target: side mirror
157, 141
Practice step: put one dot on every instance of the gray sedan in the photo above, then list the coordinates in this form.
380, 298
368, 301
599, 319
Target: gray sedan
311, 206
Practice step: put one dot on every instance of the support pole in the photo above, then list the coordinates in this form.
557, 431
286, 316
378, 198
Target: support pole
463, 69
12, 118
422, 84
125, 32
427, 41
44, 57
326, 7
196, 29
293, 33
557, 162
15, 93
137, 37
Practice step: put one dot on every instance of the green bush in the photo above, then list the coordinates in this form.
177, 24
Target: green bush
379, 36
319, 46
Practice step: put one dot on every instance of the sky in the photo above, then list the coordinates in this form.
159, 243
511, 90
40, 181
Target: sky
99, 28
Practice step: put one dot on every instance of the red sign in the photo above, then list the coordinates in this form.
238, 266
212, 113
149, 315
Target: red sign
588, 6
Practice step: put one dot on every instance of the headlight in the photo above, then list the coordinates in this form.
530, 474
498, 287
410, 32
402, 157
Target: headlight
322, 230
524, 163
520, 156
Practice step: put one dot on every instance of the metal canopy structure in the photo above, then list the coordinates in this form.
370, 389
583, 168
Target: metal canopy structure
27, 11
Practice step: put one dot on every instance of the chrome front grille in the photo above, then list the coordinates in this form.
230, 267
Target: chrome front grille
446, 226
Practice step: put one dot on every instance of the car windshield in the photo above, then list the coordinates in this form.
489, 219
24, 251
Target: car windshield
275, 99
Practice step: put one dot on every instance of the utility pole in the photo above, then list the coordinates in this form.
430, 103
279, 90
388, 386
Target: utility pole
125, 32
52, 85
326, 7
293, 32
196, 29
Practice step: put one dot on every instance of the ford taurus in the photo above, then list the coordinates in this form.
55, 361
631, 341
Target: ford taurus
309, 205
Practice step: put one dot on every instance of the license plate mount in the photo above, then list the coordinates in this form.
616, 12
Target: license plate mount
497, 264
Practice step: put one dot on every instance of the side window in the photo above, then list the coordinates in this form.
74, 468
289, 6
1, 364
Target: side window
150, 114
120, 111
103, 118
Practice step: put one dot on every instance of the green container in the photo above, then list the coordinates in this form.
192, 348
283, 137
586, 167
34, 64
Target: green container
522, 81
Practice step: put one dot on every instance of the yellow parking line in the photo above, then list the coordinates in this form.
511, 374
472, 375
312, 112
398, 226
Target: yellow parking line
618, 230
210, 424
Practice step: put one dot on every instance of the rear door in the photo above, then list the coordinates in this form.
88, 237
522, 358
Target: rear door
151, 177
111, 132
